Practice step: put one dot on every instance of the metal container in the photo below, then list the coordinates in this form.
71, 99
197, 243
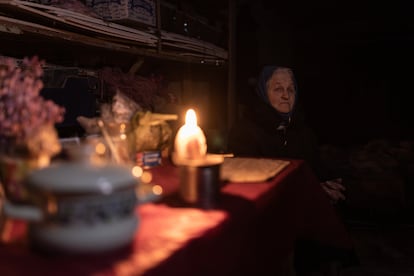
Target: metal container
200, 184
81, 208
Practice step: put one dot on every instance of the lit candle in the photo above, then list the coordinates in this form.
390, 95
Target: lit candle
190, 141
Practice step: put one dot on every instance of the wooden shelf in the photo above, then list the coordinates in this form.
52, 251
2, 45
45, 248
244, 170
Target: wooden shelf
198, 71
38, 29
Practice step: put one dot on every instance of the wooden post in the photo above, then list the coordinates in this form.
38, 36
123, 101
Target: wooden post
231, 96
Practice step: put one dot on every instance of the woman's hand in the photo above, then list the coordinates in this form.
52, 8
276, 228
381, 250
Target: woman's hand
334, 189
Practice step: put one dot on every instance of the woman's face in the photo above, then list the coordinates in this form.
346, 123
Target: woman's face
281, 90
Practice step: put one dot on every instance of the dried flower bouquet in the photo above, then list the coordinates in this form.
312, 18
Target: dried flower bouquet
26, 118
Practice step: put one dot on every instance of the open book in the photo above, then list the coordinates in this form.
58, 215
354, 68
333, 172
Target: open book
243, 169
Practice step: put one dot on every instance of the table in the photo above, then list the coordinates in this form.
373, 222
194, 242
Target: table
253, 230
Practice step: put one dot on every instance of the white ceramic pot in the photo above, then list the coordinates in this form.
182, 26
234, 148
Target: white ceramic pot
78, 207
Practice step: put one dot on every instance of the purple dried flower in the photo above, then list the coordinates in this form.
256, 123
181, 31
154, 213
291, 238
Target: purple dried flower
23, 111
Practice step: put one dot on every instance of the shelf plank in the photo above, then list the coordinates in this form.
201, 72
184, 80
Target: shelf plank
17, 29
37, 19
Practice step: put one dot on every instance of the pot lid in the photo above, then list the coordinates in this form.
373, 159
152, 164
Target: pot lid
82, 178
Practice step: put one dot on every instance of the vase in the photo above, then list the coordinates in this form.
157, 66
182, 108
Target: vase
13, 173
19, 157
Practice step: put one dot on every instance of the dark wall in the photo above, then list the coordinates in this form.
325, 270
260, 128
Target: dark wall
353, 63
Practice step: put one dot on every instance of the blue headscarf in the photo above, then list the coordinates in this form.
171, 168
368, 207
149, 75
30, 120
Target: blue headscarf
261, 88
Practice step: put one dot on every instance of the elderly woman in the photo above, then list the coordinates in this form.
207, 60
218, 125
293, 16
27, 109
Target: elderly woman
273, 126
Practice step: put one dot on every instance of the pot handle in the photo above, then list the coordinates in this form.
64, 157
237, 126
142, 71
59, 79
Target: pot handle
25, 212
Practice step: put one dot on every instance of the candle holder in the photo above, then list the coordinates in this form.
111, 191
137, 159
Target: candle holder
199, 171
200, 180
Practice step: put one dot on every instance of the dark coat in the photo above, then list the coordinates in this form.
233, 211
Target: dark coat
258, 134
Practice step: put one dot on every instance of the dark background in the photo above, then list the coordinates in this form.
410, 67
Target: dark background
353, 62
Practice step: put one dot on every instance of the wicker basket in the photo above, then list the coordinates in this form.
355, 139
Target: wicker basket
141, 11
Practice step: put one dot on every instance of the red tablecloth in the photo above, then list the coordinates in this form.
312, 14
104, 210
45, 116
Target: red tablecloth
253, 229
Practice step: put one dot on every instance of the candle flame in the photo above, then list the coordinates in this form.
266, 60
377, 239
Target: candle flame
190, 141
191, 118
